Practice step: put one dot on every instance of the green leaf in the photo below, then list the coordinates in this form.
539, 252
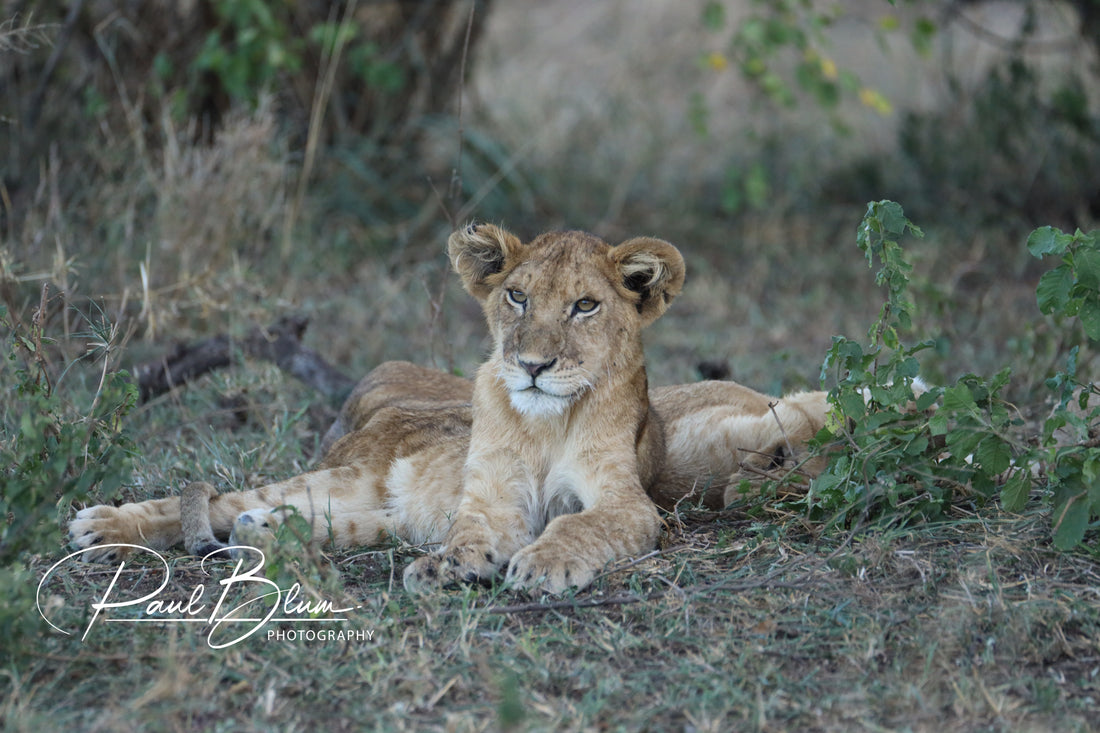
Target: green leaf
909, 367
1015, 491
852, 403
921, 36
1048, 241
714, 16
892, 217
993, 455
958, 397
1087, 264
1090, 317
1090, 468
1070, 519
937, 424
1052, 293
962, 442
829, 480
1000, 380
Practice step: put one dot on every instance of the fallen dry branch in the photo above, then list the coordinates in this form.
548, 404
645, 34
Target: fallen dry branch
280, 343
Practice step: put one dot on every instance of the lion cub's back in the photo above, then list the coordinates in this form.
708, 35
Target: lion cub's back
681, 401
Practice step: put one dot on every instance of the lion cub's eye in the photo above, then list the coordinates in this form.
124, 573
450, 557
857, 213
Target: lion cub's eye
517, 297
585, 305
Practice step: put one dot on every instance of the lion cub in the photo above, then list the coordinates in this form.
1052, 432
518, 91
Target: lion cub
563, 445
541, 465
545, 471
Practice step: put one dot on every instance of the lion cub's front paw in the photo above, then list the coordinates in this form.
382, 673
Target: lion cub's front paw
549, 568
450, 566
98, 530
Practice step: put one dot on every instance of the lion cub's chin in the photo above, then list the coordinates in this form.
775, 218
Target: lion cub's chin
533, 402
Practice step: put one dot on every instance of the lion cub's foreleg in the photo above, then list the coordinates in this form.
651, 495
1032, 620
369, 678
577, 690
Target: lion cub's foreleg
575, 548
492, 523
599, 515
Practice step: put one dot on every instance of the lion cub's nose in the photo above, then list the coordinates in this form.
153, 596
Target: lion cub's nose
535, 368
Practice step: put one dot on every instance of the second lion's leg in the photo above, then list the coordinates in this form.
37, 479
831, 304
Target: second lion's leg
346, 492
152, 524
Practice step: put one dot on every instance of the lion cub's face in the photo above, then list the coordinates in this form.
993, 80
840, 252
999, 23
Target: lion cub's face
565, 310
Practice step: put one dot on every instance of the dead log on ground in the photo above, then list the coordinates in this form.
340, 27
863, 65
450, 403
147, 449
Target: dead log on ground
280, 343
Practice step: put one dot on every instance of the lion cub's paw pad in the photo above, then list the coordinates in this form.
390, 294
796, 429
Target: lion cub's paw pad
99, 525
450, 567
535, 568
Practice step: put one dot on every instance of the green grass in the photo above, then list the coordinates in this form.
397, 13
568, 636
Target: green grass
971, 623
747, 620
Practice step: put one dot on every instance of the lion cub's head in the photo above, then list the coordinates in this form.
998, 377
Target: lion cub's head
566, 309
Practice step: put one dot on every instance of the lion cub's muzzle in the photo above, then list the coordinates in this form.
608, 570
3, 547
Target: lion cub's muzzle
542, 386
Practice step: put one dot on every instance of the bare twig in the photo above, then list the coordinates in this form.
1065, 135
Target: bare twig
35, 104
456, 172
635, 561
537, 606
330, 59
1054, 45
770, 475
782, 430
23, 36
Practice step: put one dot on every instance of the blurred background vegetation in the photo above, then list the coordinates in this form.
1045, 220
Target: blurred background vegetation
195, 167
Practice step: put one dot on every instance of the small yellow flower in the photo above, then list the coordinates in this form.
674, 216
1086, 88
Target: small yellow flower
876, 101
717, 61
828, 69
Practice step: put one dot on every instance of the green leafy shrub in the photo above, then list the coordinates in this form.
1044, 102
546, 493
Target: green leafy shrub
1070, 290
965, 155
254, 42
907, 458
774, 35
51, 455
911, 452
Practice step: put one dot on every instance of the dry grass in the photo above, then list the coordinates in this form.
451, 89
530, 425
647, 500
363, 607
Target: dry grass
248, 165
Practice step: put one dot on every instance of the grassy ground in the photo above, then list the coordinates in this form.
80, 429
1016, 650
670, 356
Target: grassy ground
746, 619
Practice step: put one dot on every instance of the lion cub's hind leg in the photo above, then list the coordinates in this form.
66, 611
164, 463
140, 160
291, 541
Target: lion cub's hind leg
775, 443
257, 527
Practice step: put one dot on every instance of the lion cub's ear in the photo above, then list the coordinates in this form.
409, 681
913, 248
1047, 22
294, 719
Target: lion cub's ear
654, 269
478, 252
